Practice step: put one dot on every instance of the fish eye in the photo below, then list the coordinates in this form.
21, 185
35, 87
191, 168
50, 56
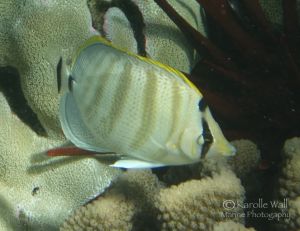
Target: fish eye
202, 105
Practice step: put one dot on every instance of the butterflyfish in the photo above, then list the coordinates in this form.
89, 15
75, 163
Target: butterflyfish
146, 112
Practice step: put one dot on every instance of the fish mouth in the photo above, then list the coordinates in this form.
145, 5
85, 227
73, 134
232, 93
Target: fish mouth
224, 149
227, 149
232, 151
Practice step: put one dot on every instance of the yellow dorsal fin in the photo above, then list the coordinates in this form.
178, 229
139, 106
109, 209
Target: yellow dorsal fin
99, 39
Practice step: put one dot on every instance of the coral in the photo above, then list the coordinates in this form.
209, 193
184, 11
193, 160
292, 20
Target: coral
293, 222
289, 186
198, 204
33, 36
246, 159
118, 30
137, 201
123, 22
119, 207
273, 10
290, 178
230, 226
37, 193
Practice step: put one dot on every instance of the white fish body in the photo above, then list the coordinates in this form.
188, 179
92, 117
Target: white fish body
127, 104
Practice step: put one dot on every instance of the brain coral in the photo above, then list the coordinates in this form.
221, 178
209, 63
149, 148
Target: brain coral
137, 201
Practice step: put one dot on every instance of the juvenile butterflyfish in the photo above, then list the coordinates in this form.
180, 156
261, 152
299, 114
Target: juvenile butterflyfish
146, 112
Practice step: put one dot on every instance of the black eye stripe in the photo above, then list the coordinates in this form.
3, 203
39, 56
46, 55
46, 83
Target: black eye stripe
208, 138
58, 74
202, 105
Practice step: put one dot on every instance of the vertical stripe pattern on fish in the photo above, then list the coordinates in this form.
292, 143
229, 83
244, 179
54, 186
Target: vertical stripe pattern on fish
138, 107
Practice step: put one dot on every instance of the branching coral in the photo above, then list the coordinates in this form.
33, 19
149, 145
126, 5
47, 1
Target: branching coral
293, 222
289, 186
138, 201
198, 204
126, 204
230, 226
274, 11
246, 159
290, 179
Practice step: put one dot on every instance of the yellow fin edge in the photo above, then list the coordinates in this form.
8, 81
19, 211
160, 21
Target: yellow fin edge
100, 39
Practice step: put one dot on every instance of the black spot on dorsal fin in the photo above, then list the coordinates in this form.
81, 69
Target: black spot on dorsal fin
58, 74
